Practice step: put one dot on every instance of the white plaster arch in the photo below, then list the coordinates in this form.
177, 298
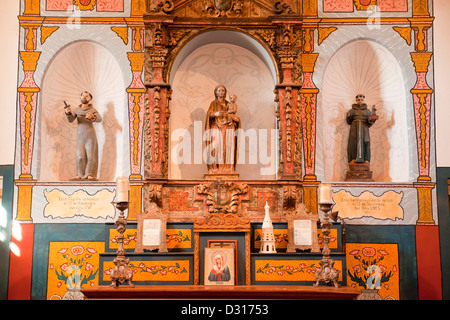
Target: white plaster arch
245, 68
364, 66
79, 66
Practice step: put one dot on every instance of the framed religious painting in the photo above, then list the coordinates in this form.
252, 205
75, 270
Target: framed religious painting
227, 244
151, 231
302, 230
220, 266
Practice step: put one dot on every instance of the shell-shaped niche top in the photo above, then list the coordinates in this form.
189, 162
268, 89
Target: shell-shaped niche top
369, 68
81, 66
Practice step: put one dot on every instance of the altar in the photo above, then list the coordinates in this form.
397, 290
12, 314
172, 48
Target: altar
212, 111
187, 263
227, 176
259, 292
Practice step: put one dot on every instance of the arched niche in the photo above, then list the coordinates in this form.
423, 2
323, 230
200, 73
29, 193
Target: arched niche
245, 68
367, 67
80, 66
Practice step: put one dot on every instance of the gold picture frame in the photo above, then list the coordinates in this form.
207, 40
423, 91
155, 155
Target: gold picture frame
219, 266
152, 226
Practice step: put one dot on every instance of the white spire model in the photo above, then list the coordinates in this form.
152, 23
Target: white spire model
267, 237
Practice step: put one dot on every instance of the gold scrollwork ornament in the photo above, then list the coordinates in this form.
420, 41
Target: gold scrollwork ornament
222, 197
165, 6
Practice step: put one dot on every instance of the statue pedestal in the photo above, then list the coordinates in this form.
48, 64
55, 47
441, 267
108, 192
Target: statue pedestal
359, 172
83, 179
222, 176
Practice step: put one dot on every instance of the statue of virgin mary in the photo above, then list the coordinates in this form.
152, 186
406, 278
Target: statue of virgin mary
221, 125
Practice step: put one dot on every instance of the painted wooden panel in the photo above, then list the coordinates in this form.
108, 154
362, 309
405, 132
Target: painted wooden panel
338, 5
374, 266
72, 266
158, 270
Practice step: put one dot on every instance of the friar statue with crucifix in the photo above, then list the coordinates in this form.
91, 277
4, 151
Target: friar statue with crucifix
360, 119
87, 145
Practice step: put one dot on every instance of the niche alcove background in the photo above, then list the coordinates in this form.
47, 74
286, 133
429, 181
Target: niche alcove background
80, 66
244, 67
364, 66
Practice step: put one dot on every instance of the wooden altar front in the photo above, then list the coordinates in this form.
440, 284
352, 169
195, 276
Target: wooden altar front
221, 223
227, 207
189, 292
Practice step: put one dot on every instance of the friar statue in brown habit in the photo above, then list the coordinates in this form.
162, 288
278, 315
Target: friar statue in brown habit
360, 119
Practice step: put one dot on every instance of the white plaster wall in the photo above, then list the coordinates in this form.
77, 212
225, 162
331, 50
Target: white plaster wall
366, 67
243, 74
442, 80
8, 81
81, 66
9, 35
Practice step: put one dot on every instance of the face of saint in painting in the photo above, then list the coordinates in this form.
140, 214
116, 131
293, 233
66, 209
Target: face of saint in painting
219, 262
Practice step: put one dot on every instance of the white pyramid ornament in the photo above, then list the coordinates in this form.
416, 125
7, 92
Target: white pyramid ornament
267, 236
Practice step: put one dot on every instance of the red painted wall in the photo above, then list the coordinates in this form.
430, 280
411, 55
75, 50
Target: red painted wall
428, 263
21, 262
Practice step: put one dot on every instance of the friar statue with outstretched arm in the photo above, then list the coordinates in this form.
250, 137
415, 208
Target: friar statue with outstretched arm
87, 145
360, 119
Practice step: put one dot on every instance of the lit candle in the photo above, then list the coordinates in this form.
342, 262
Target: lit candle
325, 193
123, 186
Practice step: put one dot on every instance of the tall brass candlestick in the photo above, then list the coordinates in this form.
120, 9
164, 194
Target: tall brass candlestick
327, 272
121, 272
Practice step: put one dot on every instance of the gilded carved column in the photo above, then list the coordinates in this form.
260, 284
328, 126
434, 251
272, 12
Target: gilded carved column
158, 98
422, 107
309, 107
288, 112
136, 97
421, 22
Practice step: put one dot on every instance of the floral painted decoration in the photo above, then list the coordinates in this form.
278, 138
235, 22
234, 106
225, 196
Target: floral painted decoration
77, 271
370, 274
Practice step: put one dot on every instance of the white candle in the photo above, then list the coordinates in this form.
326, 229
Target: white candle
325, 193
123, 186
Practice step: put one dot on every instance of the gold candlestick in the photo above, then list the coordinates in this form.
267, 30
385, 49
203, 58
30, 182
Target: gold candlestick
327, 272
121, 272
